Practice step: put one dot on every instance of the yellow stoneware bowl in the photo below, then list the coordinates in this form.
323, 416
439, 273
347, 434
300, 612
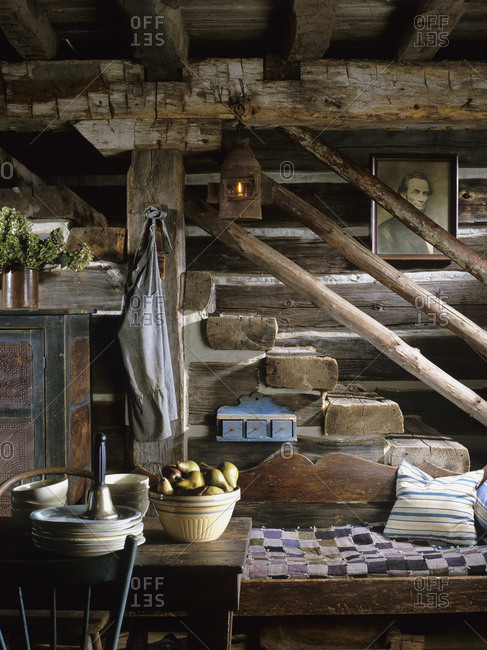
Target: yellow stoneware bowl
195, 518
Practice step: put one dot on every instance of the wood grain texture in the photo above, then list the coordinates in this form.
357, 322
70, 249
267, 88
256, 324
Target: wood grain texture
28, 30
349, 415
292, 311
37, 93
427, 31
199, 292
335, 477
43, 202
301, 372
113, 136
369, 596
241, 332
247, 454
106, 243
217, 384
159, 37
311, 24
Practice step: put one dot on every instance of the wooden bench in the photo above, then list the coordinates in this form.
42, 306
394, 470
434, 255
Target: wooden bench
339, 489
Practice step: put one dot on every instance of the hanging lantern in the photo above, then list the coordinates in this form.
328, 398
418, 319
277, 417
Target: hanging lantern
240, 183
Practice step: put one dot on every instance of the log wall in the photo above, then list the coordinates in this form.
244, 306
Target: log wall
217, 377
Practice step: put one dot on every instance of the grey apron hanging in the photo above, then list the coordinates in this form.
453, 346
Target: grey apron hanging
151, 395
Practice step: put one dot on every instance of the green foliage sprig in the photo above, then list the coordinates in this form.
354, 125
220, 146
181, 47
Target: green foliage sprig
21, 248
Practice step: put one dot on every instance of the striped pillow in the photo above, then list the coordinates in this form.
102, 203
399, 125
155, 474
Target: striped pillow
481, 507
436, 509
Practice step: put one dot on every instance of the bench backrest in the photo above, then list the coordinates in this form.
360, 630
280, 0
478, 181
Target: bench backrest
337, 489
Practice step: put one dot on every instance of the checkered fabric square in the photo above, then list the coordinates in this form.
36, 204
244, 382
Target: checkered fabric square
353, 551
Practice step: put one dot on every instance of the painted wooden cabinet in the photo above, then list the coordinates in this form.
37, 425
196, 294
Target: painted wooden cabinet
45, 397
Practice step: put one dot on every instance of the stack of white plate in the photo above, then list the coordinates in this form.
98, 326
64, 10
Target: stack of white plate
64, 531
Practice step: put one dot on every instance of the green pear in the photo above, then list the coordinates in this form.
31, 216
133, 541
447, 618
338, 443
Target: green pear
164, 486
193, 480
187, 466
211, 490
230, 472
215, 478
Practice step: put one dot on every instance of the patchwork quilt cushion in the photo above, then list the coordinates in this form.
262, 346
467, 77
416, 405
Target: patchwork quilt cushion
353, 551
434, 509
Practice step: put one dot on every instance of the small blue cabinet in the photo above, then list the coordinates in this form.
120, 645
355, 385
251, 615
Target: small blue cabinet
256, 419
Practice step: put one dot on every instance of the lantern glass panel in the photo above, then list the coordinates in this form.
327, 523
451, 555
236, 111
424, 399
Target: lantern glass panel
240, 189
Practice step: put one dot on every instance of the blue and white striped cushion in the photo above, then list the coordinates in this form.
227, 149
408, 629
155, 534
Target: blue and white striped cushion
481, 507
437, 509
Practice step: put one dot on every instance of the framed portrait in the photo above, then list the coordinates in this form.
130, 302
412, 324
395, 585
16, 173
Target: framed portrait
430, 183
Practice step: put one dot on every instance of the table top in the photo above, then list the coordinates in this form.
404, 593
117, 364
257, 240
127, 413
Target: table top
168, 575
229, 550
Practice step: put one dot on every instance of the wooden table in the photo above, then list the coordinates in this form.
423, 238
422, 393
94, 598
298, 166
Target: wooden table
200, 580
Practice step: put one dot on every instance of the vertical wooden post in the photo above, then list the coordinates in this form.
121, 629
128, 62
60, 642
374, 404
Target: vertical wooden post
157, 176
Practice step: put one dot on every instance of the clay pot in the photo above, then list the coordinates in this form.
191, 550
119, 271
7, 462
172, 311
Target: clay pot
20, 288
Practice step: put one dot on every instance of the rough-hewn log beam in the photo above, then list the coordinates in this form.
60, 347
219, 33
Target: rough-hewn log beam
112, 137
310, 30
159, 37
49, 202
313, 290
331, 94
429, 28
28, 29
378, 268
391, 201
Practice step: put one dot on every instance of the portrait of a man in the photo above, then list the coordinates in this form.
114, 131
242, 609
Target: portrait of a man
430, 186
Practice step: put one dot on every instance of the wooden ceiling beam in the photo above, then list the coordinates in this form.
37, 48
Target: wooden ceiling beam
158, 35
311, 26
330, 95
112, 137
429, 29
27, 29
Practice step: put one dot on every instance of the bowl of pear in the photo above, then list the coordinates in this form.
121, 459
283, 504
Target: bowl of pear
195, 503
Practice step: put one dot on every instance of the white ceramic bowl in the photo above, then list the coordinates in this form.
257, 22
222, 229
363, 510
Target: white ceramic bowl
129, 490
47, 492
195, 518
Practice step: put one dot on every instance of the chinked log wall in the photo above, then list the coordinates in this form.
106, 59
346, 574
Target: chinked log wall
309, 287
239, 289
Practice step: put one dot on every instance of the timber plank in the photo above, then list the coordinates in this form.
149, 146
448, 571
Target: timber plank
281, 479
249, 454
312, 254
358, 358
28, 30
364, 596
92, 288
216, 384
292, 311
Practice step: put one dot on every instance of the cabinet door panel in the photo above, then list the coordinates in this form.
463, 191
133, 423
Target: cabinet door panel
22, 443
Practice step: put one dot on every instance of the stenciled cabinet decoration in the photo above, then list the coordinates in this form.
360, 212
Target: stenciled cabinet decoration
45, 400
